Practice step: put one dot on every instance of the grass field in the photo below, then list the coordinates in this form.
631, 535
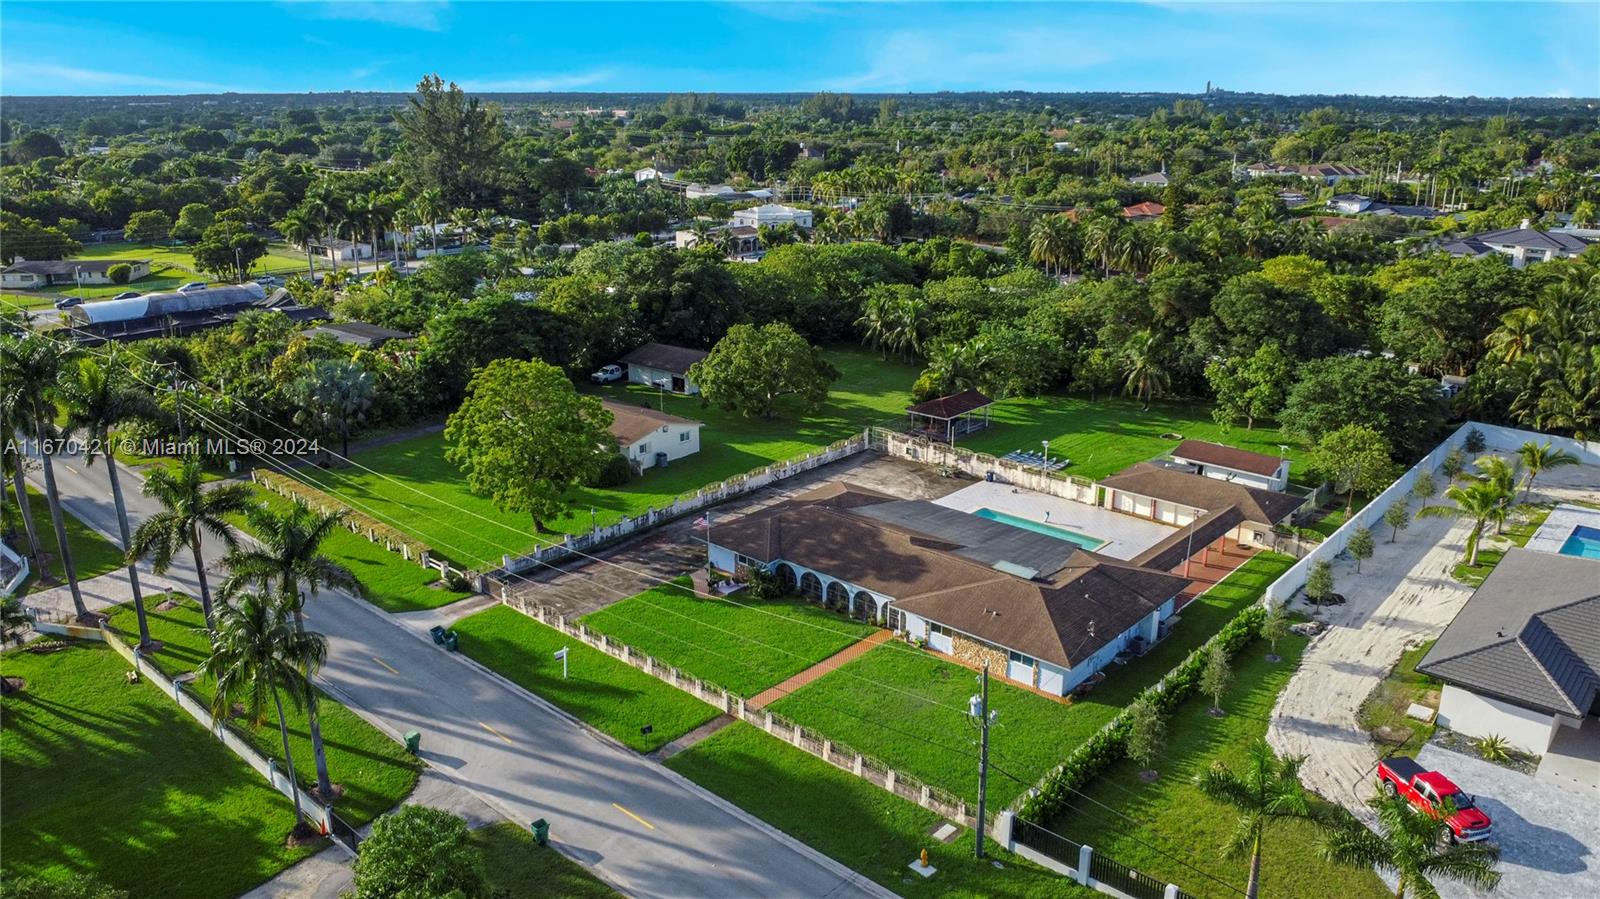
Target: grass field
112, 779
862, 826
1524, 523
869, 390
516, 867
1386, 707
931, 740
1168, 828
1109, 434
170, 267
375, 771
741, 645
92, 554
390, 582
611, 696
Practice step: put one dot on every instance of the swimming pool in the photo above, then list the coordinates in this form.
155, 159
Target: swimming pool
1037, 527
1584, 543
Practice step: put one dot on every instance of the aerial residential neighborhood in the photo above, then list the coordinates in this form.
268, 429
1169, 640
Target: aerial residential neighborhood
488, 450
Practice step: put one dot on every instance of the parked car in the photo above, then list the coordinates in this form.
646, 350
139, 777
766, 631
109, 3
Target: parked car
1434, 794
68, 302
128, 295
270, 281
192, 285
606, 374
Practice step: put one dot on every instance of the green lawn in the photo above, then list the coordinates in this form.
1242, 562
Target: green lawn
902, 729
170, 267
610, 695
1109, 434
740, 645
1168, 828
92, 554
868, 390
1386, 707
1524, 523
848, 819
375, 771
516, 867
390, 582
112, 779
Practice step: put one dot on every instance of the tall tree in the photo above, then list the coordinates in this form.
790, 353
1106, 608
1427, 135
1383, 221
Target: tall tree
750, 368
1538, 458
97, 397
33, 373
256, 656
452, 143
298, 228
1265, 791
1145, 370
189, 511
1354, 456
1477, 501
1415, 848
333, 398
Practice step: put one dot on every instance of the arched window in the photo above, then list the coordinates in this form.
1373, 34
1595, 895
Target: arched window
865, 607
786, 578
838, 596
811, 587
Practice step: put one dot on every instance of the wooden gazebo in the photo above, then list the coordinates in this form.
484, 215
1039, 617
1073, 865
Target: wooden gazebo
948, 417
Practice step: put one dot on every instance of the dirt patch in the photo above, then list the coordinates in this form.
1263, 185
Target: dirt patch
10, 685
1149, 775
43, 646
302, 835
336, 789
168, 605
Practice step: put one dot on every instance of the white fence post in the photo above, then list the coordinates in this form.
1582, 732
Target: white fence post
1085, 853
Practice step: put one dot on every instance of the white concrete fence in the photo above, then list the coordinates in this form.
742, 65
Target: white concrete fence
18, 562
982, 465
1497, 439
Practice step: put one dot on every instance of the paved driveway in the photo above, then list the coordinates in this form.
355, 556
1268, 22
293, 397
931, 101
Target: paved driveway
1549, 835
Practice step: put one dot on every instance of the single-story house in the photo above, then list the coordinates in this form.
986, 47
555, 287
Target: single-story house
809, 152
654, 173
176, 314
948, 417
771, 215
1354, 204
1037, 610
1243, 513
338, 249
1154, 179
1521, 660
741, 240
649, 438
663, 365
1227, 463
359, 334
1328, 173
1293, 198
1143, 212
37, 273
1523, 244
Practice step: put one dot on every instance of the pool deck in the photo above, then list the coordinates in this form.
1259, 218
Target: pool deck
1125, 535
1558, 527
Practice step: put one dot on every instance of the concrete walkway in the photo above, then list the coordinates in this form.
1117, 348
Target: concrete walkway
831, 663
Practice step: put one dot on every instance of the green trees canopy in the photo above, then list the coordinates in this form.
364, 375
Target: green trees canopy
452, 143
749, 369
1375, 392
148, 227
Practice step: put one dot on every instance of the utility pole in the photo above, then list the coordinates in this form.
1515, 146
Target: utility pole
978, 707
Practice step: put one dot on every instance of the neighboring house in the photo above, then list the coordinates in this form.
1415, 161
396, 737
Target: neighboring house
1246, 514
1520, 660
771, 215
1354, 204
1349, 204
649, 438
38, 273
1143, 212
337, 249
1154, 179
808, 152
1293, 199
654, 173
741, 240
358, 334
1327, 173
1227, 463
1037, 610
1523, 244
177, 314
663, 365
721, 192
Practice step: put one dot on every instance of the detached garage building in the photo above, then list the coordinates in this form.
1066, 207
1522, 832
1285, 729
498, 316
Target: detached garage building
663, 365
1180, 498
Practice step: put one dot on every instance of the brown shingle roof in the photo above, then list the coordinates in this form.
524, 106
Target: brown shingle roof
675, 359
1062, 619
1200, 492
1146, 209
1227, 457
630, 424
951, 406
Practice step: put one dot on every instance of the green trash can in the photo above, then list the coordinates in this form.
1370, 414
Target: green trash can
413, 741
541, 831
451, 641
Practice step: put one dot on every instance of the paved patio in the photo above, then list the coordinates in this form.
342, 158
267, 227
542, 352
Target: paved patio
1559, 526
1573, 759
1126, 535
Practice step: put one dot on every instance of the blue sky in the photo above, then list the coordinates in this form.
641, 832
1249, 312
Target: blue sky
1484, 49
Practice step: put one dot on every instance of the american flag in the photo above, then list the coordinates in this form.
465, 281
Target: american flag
703, 523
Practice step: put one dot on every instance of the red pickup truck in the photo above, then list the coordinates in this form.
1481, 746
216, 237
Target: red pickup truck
1433, 793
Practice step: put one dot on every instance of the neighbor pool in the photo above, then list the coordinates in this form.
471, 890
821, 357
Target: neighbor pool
1038, 527
1584, 543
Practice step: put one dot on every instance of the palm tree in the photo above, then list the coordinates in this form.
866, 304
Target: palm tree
98, 397
1266, 792
33, 369
15, 463
257, 656
297, 227
1413, 846
430, 206
1146, 373
1503, 475
189, 510
1538, 458
1480, 501
287, 562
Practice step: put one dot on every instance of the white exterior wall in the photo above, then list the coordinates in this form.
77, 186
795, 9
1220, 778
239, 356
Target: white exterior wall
1475, 715
640, 374
22, 280
1278, 480
675, 440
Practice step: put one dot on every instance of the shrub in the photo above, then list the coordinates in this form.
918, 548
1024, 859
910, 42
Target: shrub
77, 886
616, 472
121, 273
1475, 442
418, 851
1493, 748
456, 581
764, 585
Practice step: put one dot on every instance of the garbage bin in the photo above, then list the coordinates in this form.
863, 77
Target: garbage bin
437, 632
541, 831
451, 640
413, 741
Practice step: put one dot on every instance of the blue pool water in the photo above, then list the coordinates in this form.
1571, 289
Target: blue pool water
1082, 540
1584, 543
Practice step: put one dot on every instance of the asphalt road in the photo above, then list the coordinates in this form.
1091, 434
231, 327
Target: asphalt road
633, 822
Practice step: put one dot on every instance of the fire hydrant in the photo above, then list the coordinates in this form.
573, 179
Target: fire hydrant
924, 858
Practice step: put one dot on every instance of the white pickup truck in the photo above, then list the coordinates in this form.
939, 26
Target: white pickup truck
606, 374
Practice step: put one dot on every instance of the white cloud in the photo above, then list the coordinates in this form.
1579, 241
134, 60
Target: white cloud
518, 84
71, 77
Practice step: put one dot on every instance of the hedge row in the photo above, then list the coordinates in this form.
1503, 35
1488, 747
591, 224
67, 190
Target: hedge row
1109, 744
358, 523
